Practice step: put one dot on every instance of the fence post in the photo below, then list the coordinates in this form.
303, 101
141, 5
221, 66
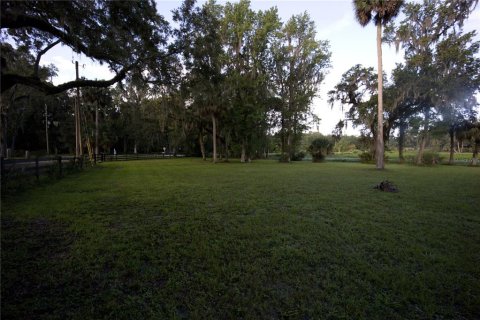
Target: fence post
37, 173
60, 166
2, 168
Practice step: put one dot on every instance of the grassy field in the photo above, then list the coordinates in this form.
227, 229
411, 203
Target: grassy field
185, 239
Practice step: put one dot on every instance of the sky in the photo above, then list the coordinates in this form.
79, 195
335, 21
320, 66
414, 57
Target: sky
350, 44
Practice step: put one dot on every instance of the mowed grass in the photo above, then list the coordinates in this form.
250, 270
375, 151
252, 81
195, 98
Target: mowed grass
185, 239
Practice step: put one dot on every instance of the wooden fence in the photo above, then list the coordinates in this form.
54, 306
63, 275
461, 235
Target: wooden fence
134, 156
58, 166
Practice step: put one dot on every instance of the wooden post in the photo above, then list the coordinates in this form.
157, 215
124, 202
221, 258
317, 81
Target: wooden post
96, 128
78, 131
60, 166
46, 129
37, 173
2, 168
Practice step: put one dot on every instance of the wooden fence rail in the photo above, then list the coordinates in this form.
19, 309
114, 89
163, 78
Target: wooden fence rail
57, 165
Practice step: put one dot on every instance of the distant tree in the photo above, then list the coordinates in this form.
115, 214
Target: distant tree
346, 144
319, 148
470, 130
300, 61
459, 83
381, 11
126, 36
95, 101
357, 91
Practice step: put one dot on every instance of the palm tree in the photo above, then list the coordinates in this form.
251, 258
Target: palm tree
381, 11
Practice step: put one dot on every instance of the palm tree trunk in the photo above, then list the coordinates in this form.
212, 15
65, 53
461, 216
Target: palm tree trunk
380, 145
214, 138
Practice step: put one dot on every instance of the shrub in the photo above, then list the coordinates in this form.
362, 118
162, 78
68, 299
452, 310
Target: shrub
319, 148
431, 158
298, 156
283, 158
367, 157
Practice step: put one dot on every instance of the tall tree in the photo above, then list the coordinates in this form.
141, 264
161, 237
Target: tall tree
357, 90
381, 11
199, 34
459, 82
430, 33
299, 62
248, 36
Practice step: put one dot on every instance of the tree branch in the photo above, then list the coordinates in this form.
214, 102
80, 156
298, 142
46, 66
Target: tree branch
40, 54
19, 21
9, 80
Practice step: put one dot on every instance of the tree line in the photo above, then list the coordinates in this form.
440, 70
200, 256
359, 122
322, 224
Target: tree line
433, 91
225, 80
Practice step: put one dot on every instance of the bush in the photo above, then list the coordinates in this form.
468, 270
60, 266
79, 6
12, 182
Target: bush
298, 156
369, 157
283, 158
319, 148
431, 158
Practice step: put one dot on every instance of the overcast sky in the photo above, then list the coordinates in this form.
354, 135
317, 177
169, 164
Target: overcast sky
350, 44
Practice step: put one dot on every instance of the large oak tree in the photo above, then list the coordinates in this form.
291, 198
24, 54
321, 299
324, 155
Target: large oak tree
124, 35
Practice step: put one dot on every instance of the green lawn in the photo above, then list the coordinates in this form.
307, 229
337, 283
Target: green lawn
185, 239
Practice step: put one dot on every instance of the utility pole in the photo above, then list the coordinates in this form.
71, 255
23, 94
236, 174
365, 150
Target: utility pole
78, 133
46, 129
96, 128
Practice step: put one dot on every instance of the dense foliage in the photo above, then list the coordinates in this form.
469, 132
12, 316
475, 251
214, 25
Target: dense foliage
228, 73
432, 93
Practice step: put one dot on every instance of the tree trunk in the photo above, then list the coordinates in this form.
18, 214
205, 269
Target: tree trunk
423, 142
289, 146
202, 146
401, 142
243, 155
451, 133
78, 125
226, 149
214, 138
379, 152
14, 140
283, 138
476, 143
423, 139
